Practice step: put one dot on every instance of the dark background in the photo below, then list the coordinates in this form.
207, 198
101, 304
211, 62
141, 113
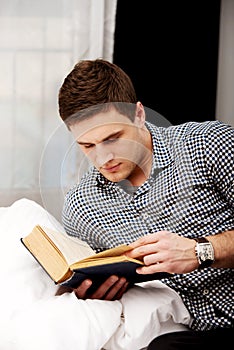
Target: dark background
170, 51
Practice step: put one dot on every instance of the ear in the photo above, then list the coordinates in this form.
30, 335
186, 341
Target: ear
140, 115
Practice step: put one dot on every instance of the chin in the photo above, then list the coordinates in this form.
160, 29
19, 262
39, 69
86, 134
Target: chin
119, 175
114, 177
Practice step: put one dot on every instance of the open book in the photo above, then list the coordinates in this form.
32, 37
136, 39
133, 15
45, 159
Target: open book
69, 260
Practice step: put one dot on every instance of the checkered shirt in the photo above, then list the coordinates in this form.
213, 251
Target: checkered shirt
190, 191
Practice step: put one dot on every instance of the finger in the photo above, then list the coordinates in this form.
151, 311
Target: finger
151, 238
121, 291
144, 270
82, 289
154, 258
101, 292
116, 290
155, 268
143, 250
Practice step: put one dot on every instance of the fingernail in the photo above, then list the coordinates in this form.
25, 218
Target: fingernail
88, 283
114, 279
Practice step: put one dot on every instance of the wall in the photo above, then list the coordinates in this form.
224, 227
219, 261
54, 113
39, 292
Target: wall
225, 90
170, 50
180, 56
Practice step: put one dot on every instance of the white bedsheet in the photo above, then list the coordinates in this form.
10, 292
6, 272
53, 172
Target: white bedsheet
32, 317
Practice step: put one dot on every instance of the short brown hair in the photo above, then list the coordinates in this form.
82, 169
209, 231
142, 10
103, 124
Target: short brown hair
94, 84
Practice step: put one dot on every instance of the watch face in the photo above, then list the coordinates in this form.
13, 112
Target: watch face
205, 252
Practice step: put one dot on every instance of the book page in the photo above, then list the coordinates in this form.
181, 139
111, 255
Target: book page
116, 251
72, 248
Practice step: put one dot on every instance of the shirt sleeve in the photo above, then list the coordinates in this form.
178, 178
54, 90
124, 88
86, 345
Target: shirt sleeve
70, 214
75, 219
219, 158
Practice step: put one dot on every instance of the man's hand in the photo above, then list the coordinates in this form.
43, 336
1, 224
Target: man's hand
164, 251
112, 289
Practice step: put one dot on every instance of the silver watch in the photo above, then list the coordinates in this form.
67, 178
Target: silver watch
204, 252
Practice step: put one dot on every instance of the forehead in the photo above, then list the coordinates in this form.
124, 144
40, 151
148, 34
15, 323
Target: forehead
100, 124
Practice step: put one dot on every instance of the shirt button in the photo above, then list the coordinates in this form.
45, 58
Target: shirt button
145, 216
205, 291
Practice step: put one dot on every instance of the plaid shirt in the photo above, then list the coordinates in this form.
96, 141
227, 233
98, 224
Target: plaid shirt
190, 192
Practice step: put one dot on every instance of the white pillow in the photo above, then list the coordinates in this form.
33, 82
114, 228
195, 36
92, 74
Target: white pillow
149, 309
31, 315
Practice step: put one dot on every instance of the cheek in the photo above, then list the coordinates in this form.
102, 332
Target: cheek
126, 147
90, 154
129, 150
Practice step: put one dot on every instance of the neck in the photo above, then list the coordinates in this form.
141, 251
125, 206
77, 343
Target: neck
138, 177
142, 171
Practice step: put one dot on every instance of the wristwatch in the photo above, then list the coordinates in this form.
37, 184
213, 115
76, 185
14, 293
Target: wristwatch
204, 252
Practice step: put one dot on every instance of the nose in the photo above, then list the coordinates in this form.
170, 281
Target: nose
103, 154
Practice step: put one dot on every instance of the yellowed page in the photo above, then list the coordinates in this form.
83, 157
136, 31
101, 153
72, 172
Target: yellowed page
73, 249
119, 250
103, 261
53, 262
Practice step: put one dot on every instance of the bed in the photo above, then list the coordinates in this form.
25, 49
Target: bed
32, 317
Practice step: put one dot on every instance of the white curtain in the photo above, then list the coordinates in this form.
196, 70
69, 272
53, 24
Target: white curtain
40, 41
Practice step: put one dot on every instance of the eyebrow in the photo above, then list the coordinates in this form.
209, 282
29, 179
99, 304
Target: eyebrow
115, 134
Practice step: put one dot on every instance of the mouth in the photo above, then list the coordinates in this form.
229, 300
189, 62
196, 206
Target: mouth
111, 169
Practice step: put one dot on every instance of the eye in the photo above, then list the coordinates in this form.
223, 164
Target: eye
88, 146
110, 141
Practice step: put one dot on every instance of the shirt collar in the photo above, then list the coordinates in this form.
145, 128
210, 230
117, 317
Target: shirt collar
161, 150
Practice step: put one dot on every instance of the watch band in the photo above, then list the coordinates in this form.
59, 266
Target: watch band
201, 240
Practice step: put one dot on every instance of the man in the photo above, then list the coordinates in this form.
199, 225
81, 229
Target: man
168, 192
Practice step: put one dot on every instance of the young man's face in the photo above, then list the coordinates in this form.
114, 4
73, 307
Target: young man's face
119, 148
